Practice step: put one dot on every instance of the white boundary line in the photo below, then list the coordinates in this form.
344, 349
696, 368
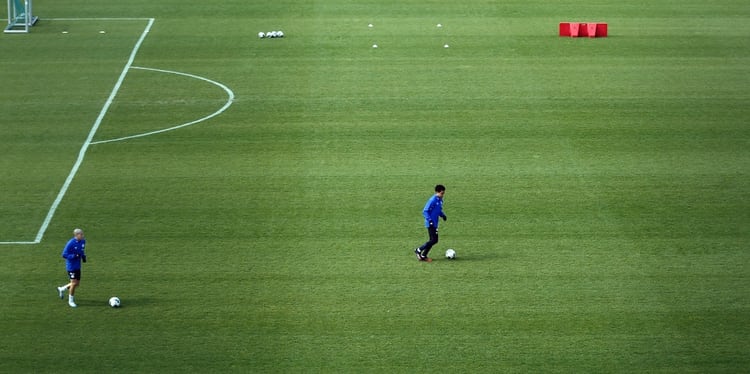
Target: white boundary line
94, 128
98, 19
226, 89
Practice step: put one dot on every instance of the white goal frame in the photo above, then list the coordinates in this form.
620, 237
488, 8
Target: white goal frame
20, 20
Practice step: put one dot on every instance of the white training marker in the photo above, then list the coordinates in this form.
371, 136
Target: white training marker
64, 32
102, 32
439, 25
370, 25
446, 46
374, 45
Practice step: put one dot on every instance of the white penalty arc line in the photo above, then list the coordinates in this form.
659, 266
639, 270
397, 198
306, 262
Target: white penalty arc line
221, 110
103, 112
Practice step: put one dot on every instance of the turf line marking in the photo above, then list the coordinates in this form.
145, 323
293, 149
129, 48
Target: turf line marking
226, 89
96, 19
85, 146
94, 128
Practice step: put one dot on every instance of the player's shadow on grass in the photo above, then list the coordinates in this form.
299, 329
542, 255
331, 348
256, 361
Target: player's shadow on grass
124, 303
475, 257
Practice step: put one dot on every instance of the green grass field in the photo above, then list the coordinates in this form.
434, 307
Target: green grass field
598, 190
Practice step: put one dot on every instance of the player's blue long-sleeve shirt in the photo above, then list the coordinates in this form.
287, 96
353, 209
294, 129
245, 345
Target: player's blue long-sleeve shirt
73, 252
433, 210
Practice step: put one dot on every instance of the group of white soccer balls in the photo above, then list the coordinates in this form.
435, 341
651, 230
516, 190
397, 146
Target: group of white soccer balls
271, 34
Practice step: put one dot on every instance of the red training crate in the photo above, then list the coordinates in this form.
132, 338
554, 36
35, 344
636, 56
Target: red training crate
590, 29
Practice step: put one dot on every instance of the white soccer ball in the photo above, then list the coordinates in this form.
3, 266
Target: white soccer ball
450, 254
114, 302
261, 35
280, 34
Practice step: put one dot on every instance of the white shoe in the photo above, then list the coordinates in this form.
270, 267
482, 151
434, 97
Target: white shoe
61, 291
72, 304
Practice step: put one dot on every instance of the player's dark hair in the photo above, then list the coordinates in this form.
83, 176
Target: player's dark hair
439, 188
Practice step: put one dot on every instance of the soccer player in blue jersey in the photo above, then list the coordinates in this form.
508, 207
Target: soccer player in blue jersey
431, 212
73, 253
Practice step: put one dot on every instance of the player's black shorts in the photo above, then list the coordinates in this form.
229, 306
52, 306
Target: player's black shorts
74, 274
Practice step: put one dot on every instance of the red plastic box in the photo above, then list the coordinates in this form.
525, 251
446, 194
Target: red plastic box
590, 29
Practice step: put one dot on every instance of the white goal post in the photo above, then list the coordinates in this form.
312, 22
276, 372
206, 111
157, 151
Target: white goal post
20, 17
